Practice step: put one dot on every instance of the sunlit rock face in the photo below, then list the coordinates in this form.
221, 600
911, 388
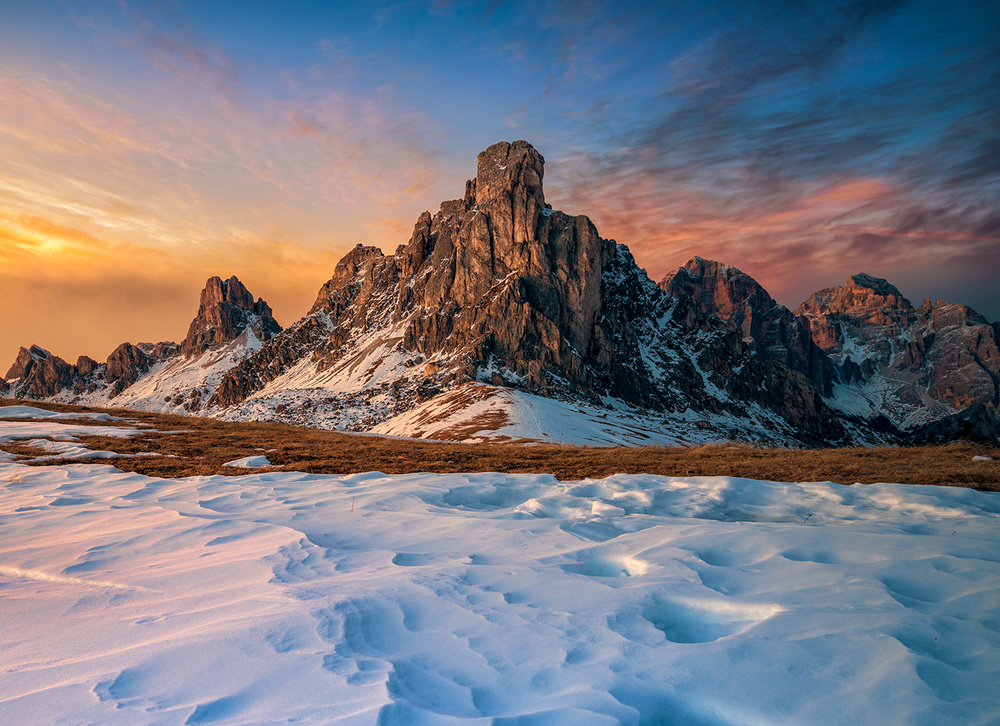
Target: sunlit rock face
39, 373
915, 366
771, 330
499, 288
866, 312
226, 309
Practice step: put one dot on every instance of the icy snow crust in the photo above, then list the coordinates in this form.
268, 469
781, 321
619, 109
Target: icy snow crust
493, 599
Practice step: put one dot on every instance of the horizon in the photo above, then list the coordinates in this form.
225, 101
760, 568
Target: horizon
143, 150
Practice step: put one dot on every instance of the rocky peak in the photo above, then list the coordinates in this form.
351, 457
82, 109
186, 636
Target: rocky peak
507, 171
347, 271
39, 373
716, 287
942, 315
498, 287
26, 359
225, 310
85, 365
862, 299
124, 366
875, 284
770, 329
864, 304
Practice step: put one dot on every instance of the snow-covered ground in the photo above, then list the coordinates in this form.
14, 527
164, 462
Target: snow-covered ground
285, 597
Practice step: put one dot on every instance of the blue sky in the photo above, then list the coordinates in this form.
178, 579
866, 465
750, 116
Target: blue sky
146, 146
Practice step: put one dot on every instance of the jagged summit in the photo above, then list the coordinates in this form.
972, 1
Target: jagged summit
225, 310
498, 290
156, 376
505, 168
717, 287
26, 359
862, 302
770, 329
870, 282
502, 318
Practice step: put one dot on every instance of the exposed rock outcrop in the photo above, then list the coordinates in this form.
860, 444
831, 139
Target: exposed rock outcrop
957, 352
226, 309
227, 313
771, 330
860, 323
39, 373
125, 364
914, 366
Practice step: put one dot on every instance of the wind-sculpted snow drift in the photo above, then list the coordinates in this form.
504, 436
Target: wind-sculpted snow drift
499, 306
491, 599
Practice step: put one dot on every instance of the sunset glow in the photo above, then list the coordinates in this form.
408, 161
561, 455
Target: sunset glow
143, 149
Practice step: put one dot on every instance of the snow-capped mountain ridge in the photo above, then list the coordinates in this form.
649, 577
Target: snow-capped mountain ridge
876, 357
501, 315
167, 377
491, 290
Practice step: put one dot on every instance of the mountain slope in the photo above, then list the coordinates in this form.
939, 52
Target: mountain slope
914, 366
908, 374
157, 377
771, 330
499, 289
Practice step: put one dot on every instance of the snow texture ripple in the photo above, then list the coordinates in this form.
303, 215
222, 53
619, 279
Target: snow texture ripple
280, 597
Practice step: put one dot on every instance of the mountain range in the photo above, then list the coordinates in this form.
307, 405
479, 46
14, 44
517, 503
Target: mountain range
504, 319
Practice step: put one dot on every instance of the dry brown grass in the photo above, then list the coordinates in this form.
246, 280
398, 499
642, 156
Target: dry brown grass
201, 446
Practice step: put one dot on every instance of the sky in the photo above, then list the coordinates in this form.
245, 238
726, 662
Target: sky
145, 146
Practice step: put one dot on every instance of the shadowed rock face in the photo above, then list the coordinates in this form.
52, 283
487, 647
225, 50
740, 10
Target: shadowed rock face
125, 364
957, 352
225, 310
500, 282
39, 373
770, 329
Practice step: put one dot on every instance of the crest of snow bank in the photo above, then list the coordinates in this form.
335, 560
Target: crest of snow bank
249, 462
476, 413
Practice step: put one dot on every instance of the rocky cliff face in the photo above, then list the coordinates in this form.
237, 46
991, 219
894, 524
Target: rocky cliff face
499, 288
771, 330
225, 311
871, 353
955, 351
916, 367
859, 324
38, 373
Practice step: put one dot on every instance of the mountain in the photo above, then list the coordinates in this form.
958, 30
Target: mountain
927, 374
498, 292
914, 366
771, 330
162, 376
504, 319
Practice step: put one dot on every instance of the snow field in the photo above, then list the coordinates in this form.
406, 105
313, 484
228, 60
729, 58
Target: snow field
493, 599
